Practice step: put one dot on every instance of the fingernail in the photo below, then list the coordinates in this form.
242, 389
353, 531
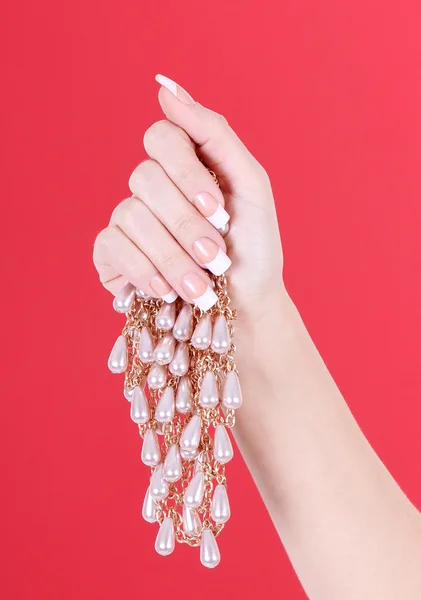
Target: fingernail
210, 254
211, 209
175, 89
199, 291
162, 289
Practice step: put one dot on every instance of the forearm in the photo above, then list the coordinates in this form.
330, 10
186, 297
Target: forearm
347, 527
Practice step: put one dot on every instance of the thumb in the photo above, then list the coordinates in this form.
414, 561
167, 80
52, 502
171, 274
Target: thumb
217, 142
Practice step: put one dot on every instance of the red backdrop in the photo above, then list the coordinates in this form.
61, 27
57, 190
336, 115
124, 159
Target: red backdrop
327, 95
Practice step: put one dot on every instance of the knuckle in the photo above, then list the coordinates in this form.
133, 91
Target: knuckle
184, 223
156, 133
126, 212
143, 175
218, 120
168, 261
102, 242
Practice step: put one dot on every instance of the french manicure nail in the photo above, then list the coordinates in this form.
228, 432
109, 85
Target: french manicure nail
162, 289
211, 209
210, 254
199, 291
175, 89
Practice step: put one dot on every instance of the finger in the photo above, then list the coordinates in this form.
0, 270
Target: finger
170, 145
150, 183
119, 261
218, 143
183, 274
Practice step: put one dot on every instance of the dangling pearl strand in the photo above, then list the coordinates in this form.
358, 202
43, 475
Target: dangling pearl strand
159, 350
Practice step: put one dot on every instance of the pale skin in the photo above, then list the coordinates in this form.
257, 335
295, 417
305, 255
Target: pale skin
349, 530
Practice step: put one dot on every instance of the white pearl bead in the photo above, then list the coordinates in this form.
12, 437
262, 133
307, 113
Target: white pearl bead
221, 340
164, 350
165, 318
222, 447
184, 324
145, 346
231, 392
149, 508
124, 299
142, 295
157, 377
117, 363
193, 495
151, 451
191, 521
183, 397
164, 412
220, 508
172, 464
165, 540
158, 486
202, 335
128, 394
139, 409
208, 395
209, 551
189, 454
180, 363
190, 438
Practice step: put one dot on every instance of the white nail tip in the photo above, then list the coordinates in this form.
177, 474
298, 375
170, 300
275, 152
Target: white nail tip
170, 297
206, 300
219, 264
219, 218
168, 83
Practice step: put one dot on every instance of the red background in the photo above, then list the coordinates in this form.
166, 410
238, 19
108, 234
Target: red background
327, 95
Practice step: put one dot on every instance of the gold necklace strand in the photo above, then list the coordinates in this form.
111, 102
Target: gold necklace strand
187, 493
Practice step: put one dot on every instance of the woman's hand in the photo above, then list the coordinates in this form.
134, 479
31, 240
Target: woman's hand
164, 239
347, 527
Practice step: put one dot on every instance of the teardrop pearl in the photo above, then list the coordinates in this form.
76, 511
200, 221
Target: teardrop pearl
157, 377
145, 346
183, 397
124, 299
189, 454
220, 508
142, 295
191, 521
159, 487
172, 464
165, 318
209, 551
164, 350
139, 409
193, 495
128, 394
184, 324
164, 411
151, 452
221, 340
165, 541
149, 508
180, 363
231, 392
202, 335
208, 395
222, 447
190, 438
117, 363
